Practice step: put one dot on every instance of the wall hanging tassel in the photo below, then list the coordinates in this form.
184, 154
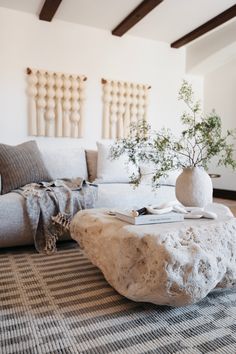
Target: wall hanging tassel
123, 103
56, 104
32, 92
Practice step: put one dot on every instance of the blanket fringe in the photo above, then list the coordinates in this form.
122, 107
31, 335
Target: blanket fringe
50, 246
63, 220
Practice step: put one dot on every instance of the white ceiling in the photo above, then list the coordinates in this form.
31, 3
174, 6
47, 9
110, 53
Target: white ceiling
167, 22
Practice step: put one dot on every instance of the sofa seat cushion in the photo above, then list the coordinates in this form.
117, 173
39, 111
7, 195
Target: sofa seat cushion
15, 227
124, 195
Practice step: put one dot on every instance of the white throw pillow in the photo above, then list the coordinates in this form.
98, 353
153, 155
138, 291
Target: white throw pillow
112, 171
64, 160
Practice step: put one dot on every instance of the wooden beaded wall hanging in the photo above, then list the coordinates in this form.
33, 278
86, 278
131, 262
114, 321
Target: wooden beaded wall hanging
123, 103
56, 104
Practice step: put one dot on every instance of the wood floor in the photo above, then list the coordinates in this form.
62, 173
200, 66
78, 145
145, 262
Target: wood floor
230, 203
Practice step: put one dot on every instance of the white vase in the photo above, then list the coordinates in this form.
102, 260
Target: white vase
194, 187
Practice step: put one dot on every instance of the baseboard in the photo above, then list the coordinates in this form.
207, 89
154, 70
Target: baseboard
224, 194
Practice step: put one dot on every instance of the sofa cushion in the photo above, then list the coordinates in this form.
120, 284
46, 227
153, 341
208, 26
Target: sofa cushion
126, 196
15, 229
15, 225
64, 159
20, 165
91, 158
112, 171
147, 171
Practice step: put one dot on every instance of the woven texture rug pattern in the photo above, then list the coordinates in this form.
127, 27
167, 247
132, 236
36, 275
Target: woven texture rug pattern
62, 304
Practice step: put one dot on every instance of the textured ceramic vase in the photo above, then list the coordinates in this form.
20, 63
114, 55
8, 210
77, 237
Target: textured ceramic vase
194, 187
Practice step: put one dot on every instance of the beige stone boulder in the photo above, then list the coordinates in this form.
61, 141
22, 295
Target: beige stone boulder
167, 264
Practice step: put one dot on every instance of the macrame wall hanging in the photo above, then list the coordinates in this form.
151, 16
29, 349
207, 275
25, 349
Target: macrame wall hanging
123, 103
56, 104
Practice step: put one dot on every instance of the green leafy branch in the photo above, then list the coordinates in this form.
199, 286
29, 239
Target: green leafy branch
200, 140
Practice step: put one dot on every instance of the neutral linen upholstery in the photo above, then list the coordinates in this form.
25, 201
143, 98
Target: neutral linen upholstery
91, 158
14, 222
63, 160
112, 171
124, 195
20, 165
15, 229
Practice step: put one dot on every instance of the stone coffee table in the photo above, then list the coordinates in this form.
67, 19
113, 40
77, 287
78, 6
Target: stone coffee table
172, 264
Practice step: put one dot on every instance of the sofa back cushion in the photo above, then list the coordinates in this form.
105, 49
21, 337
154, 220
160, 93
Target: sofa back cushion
64, 159
147, 171
20, 165
112, 171
91, 158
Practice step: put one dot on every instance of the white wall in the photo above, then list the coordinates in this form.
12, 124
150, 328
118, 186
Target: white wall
220, 93
27, 42
215, 49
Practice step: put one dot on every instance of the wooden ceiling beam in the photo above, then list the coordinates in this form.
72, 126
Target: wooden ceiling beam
135, 16
49, 9
206, 27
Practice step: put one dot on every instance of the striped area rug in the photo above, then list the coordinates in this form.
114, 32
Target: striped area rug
62, 304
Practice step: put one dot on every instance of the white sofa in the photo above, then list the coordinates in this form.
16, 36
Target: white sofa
73, 162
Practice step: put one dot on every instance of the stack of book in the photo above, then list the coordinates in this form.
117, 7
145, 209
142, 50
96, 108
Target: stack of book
149, 218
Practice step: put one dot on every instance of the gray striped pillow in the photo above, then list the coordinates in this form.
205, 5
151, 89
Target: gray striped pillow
20, 165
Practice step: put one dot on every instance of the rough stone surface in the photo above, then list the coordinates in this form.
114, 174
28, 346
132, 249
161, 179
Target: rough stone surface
168, 264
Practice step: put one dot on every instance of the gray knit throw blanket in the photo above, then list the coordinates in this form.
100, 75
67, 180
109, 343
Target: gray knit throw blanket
51, 206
